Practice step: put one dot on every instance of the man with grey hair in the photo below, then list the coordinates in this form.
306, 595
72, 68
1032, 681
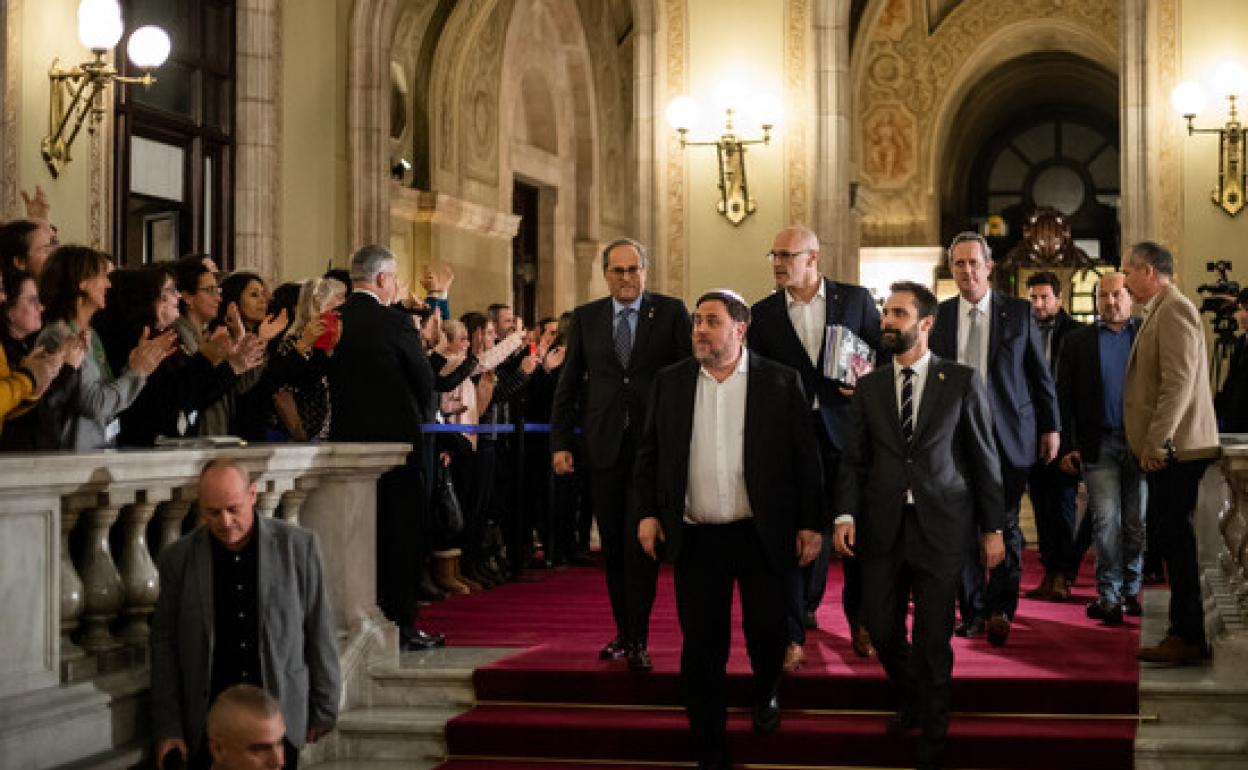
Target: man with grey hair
380, 386
245, 729
616, 345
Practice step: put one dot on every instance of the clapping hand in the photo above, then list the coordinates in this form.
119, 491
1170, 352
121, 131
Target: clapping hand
37, 206
273, 326
247, 354
43, 366
75, 348
437, 278
151, 351
234, 321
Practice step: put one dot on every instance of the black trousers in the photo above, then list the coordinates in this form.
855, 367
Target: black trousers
631, 575
402, 539
1053, 500
711, 560
982, 596
1172, 494
919, 668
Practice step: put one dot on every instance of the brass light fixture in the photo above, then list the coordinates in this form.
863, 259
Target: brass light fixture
735, 201
1188, 98
78, 93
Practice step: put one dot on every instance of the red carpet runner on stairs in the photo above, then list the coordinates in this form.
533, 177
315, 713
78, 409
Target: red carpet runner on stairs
1052, 698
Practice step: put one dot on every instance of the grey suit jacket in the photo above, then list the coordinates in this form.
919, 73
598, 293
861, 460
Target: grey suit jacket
951, 466
298, 649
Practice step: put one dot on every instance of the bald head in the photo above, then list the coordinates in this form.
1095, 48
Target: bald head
227, 501
794, 260
1113, 301
245, 730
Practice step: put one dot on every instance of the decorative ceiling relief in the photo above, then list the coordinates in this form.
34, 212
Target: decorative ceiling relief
903, 71
612, 62
483, 77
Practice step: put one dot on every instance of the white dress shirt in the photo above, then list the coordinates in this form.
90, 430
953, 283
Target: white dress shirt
809, 320
985, 325
715, 492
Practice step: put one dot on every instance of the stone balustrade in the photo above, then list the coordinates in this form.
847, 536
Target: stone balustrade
1225, 561
80, 535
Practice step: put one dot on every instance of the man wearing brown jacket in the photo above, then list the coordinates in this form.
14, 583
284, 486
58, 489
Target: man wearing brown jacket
1171, 429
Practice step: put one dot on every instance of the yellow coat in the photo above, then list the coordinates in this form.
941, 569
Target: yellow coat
16, 391
1168, 397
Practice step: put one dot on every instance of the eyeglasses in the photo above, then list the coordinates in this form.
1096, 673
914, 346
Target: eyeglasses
169, 293
785, 256
620, 272
214, 289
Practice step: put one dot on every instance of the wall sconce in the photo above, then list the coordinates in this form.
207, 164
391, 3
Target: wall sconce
735, 201
79, 92
1188, 99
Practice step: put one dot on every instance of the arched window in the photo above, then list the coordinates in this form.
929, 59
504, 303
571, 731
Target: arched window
175, 141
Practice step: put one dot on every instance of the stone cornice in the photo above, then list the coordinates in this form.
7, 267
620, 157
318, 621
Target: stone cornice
439, 208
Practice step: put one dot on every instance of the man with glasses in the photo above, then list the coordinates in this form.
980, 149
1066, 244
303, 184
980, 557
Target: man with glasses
616, 345
790, 327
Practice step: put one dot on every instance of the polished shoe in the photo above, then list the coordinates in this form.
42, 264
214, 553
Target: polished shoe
794, 658
639, 658
616, 649
969, 629
1131, 606
426, 590
861, 642
1108, 613
998, 629
1044, 591
810, 621
905, 720
1060, 588
416, 640
767, 715
1173, 651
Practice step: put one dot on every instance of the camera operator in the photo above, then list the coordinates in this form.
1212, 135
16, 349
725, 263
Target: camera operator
1231, 403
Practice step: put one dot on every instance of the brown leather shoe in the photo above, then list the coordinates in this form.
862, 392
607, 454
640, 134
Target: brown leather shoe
998, 629
1060, 588
861, 642
1044, 591
1173, 651
794, 657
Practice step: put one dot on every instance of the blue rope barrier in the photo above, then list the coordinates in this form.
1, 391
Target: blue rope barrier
495, 427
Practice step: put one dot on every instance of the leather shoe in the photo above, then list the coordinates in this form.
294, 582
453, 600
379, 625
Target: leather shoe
416, 640
861, 642
1061, 589
1131, 606
639, 658
1107, 612
616, 649
794, 658
767, 715
905, 720
1044, 591
1173, 651
998, 629
969, 629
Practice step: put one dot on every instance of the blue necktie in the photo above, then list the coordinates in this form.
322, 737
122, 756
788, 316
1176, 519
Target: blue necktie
623, 337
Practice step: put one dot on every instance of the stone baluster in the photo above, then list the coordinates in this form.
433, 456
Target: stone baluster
171, 515
102, 589
73, 658
293, 500
270, 495
139, 577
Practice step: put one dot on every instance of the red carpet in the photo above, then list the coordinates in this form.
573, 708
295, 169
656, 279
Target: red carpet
555, 700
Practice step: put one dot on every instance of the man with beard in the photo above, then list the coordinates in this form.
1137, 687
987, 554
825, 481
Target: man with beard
728, 476
919, 470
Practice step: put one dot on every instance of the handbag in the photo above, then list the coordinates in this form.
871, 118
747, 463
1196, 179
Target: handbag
448, 515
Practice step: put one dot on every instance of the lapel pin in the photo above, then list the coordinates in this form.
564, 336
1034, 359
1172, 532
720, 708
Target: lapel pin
651, 315
940, 376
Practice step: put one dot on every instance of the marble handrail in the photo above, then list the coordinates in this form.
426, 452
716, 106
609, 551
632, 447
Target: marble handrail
76, 561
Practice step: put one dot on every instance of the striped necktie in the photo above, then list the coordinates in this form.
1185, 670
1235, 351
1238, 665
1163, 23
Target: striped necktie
907, 404
623, 337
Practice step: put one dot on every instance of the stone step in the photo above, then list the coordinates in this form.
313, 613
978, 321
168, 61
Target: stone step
1177, 697
1191, 747
122, 758
406, 686
376, 764
394, 733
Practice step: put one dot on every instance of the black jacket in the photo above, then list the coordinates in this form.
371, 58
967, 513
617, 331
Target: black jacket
1080, 391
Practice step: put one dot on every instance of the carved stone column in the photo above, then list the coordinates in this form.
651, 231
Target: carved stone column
102, 589
1225, 583
139, 579
270, 495
171, 515
72, 656
294, 499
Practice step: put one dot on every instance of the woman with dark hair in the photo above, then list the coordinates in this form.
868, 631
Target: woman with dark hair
21, 317
185, 382
81, 405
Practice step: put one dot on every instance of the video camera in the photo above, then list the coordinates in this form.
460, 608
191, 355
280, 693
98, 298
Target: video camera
1219, 297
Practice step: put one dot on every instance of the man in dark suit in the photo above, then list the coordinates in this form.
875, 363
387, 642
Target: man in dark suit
379, 384
995, 334
615, 347
226, 590
920, 469
728, 478
789, 326
1051, 490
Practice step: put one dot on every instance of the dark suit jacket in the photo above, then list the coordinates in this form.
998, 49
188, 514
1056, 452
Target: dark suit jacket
593, 377
771, 334
1080, 390
951, 467
1231, 402
380, 382
1063, 326
298, 647
1021, 393
782, 475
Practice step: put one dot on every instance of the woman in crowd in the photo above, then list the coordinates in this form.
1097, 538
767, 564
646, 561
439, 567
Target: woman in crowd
199, 298
185, 382
79, 409
21, 317
298, 364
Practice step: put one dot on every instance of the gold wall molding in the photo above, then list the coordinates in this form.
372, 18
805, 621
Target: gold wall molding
9, 201
676, 240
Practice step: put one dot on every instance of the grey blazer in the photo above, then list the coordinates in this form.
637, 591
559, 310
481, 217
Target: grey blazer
298, 649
